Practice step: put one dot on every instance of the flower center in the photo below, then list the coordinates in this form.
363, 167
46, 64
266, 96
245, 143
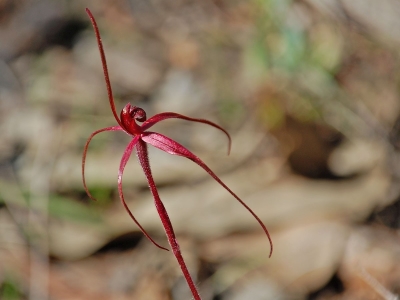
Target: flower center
129, 115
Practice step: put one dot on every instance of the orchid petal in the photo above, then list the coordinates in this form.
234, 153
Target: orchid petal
143, 157
112, 128
124, 160
169, 115
105, 69
170, 146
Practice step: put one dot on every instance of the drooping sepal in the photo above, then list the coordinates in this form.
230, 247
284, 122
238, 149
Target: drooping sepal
170, 146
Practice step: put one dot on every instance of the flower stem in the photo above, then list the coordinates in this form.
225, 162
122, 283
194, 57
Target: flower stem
142, 153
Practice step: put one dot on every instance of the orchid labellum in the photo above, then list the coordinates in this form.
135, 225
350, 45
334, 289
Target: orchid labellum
128, 123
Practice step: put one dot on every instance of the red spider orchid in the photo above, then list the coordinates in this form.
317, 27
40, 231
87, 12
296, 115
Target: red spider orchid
127, 123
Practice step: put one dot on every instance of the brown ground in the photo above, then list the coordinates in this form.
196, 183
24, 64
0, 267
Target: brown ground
309, 91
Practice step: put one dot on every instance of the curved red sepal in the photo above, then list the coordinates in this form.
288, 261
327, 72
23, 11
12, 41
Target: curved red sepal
170, 115
170, 146
112, 128
124, 160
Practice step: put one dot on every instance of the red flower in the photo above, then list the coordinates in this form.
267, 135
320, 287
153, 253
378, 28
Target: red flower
127, 122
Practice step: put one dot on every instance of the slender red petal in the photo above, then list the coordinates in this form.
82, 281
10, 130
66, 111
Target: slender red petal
105, 69
124, 160
112, 128
141, 150
169, 115
170, 146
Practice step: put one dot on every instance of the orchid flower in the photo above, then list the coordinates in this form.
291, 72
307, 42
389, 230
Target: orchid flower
128, 123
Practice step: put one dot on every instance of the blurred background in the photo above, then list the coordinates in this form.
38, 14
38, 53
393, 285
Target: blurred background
309, 91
